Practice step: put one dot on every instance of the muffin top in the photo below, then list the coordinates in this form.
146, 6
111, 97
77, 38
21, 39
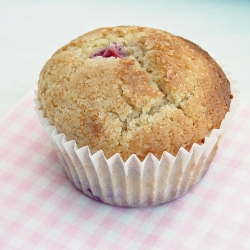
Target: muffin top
133, 90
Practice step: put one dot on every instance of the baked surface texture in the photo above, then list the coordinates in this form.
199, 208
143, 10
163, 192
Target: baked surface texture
163, 94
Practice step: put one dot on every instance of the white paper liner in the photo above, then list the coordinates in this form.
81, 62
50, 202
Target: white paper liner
134, 183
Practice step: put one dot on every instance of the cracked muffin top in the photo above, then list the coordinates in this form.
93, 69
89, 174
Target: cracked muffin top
133, 90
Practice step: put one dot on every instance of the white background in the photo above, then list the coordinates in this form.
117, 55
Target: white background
31, 31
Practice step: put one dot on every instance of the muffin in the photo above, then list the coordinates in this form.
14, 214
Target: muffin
144, 101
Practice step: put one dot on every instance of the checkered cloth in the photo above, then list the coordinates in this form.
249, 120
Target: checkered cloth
41, 209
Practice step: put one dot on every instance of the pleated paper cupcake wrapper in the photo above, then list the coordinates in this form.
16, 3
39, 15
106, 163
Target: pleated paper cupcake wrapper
134, 183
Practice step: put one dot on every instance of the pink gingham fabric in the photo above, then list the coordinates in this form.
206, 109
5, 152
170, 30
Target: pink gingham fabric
41, 209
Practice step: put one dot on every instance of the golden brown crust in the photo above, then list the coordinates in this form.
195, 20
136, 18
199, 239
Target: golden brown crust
166, 93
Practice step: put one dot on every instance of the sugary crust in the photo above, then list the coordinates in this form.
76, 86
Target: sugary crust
166, 93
